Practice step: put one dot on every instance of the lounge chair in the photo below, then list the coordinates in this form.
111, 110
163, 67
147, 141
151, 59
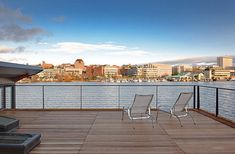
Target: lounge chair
140, 108
15, 143
8, 124
180, 108
18, 143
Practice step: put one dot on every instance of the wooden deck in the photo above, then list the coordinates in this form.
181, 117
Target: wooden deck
101, 132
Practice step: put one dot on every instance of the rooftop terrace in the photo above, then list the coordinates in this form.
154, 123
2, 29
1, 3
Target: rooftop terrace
102, 131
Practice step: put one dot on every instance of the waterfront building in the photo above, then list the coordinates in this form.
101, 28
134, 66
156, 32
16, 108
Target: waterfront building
150, 71
221, 74
136, 71
225, 62
79, 64
48, 75
217, 74
110, 71
90, 72
124, 70
45, 65
156, 70
208, 74
163, 69
74, 71
181, 68
94, 71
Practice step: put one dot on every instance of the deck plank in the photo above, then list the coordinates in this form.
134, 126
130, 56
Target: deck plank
101, 132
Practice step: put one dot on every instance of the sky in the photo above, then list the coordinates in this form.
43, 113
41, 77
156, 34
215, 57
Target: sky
115, 31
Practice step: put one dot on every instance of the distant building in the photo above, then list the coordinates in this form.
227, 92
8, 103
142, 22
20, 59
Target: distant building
217, 74
221, 74
90, 71
136, 71
181, 68
77, 69
208, 74
48, 75
79, 64
156, 70
124, 70
225, 62
150, 71
101, 71
110, 71
45, 65
163, 69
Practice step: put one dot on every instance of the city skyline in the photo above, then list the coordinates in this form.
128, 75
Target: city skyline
115, 32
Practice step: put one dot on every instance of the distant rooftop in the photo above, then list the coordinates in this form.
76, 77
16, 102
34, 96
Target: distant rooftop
15, 72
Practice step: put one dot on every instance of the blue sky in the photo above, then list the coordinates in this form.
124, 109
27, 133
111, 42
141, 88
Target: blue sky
115, 31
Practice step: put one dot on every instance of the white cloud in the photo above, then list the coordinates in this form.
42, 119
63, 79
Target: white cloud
137, 53
106, 48
6, 49
42, 43
99, 53
14, 60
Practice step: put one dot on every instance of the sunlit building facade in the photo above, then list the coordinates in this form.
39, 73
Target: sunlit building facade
225, 62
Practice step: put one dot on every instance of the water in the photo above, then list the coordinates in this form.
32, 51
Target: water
111, 95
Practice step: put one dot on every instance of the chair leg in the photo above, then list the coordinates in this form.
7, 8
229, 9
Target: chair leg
152, 118
122, 113
157, 116
170, 116
132, 122
192, 118
179, 121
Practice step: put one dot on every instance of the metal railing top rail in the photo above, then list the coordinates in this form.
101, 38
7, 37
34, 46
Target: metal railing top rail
6, 85
216, 87
119, 84
104, 85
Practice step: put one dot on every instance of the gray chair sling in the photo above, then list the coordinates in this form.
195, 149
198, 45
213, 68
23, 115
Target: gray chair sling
180, 108
140, 108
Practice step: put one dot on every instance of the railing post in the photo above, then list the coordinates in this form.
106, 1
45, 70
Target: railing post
217, 102
119, 96
198, 97
156, 99
13, 97
81, 97
43, 97
194, 97
3, 97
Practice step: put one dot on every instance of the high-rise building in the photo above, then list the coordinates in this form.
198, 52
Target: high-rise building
225, 61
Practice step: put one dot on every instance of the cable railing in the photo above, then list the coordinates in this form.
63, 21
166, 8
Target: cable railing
218, 101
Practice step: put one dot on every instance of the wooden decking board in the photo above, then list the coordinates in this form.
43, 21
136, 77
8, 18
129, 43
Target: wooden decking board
102, 132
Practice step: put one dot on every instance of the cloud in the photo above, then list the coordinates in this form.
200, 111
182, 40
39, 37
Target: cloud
42, 43
195, 60
12, 26
59, 19
14, 60
10, 16
16, 33
129, 53
5, 49
102, 48
71, 47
